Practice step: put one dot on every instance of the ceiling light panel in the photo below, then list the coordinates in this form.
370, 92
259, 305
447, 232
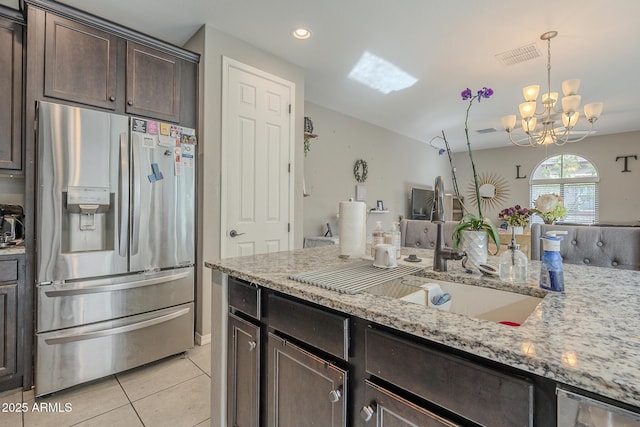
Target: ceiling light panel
380, 74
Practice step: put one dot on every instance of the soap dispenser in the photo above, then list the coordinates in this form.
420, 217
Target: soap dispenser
513, 265
396, 238
551, 274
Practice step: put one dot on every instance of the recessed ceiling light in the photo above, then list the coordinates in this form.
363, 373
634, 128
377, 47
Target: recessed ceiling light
301, 33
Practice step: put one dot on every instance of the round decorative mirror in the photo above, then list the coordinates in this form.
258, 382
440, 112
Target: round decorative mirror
487, 191
493, 189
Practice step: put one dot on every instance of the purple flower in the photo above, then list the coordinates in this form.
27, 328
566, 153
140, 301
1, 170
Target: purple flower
466, 94
485, 92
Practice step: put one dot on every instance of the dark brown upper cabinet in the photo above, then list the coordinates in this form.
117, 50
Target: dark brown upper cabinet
11, 78
153, 83
80, 63
84, 64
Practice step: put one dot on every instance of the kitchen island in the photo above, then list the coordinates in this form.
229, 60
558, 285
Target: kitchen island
587, 337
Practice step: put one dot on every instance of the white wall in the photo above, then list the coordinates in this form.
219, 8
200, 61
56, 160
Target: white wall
213, 45
619, 192
395, 162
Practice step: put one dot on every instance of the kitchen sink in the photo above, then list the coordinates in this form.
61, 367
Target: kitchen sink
474, 301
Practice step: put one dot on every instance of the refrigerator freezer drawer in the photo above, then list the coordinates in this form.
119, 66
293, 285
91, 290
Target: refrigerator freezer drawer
81, 303
74, 356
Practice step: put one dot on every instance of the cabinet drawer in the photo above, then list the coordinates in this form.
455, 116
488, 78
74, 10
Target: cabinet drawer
244, 297
8, 270
326, 331
480, 394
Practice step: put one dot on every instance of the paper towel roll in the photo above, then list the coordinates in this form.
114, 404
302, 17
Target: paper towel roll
353, 229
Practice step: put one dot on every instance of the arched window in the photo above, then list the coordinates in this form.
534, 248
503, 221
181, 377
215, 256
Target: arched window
575, 179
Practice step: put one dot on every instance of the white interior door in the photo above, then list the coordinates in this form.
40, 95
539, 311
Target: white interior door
257, 174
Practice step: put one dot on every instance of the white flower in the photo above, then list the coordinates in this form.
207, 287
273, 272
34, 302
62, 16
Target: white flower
547, 202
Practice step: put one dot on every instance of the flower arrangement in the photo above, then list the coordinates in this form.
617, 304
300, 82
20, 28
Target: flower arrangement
516, 216
549, 207
471, 221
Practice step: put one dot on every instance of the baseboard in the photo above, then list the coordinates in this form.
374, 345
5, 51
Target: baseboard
202, 339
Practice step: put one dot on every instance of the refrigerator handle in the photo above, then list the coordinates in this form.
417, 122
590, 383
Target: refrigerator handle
84, 290
71, 337
135, 233
124, 194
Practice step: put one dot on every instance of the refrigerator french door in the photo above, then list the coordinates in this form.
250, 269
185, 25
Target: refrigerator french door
115, 244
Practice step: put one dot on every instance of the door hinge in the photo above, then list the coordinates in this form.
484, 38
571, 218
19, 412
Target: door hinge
289, 108
289, 168
288, 227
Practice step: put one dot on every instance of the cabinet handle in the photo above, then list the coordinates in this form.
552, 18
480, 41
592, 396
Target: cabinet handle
129, 102
334, 396
367, 412
252, 345
112, 98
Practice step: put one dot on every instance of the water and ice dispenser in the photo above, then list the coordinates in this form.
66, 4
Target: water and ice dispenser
87, 219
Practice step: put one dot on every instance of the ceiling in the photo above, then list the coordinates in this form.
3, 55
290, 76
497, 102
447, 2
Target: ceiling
446, 45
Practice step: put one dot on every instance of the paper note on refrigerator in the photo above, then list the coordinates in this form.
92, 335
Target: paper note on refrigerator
177, 162
152, 127
188, 155
164, 128
138, 125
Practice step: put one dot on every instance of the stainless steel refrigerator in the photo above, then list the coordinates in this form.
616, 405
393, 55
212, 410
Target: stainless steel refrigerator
115, 244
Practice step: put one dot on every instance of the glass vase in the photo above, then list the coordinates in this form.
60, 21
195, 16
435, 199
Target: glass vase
513, 264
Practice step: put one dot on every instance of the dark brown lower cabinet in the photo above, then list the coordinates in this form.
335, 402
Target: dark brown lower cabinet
386, 409
8, 329
472, 391
317, 367
243, 374
15, 332
303, 389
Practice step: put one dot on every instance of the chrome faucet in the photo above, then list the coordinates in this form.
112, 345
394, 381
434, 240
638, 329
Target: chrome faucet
442, 252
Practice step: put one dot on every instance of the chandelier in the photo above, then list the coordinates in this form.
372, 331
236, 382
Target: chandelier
545, 130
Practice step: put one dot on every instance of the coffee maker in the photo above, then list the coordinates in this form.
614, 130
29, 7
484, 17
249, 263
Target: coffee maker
11, 224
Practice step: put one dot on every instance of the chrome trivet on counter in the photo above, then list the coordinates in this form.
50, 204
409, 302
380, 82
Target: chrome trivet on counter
353, 278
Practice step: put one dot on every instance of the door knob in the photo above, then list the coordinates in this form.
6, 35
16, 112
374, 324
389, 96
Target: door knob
252, 345
367, 412
234, 233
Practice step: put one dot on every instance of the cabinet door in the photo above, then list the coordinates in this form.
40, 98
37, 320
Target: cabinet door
80, 63
153, 83
385, 409
303, 389
8, 329
11, 99
243, 373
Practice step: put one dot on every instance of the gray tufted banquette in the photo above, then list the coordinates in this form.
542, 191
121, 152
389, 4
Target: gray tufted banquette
422, 234
599, 246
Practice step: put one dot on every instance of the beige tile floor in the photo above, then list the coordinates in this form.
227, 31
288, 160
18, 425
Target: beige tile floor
172, 392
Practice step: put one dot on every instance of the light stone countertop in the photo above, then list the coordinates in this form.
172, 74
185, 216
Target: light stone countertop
587, 337
12, 250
